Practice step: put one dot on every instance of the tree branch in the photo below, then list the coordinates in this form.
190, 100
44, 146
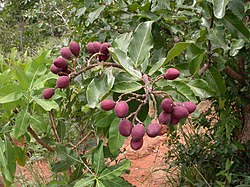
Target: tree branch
53, 125
234, 74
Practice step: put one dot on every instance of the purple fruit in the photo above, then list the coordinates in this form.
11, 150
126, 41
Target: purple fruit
153, 129
165, 118
63, 82
136, 145
138, 132
190, 106
180, 112
55, 69
171, 74
125, 127
167, 105
121, 109
74, 48
60, 62
103, 57
48, 93
66, 53
104, 48
107, 104
174, 121
93, 47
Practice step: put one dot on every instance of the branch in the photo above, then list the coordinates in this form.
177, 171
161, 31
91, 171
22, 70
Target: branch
50, 149
234, 74
82, 140
53, 125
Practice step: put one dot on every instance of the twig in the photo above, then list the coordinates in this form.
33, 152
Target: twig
82, 140
91, 58
161, 93
53, 125
157, 79
234, 74
155, 106
50, 149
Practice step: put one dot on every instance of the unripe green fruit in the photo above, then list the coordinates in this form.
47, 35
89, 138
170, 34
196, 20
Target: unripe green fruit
167, 105
137, 132
171, 74
190, 106
66, 53
121, 109
55, 69
107, 104
180, 112
136, 145
153, 129
60, 62
48, 93
125, 127
104, 48
63, 82
74, 48
174, 121
165, 118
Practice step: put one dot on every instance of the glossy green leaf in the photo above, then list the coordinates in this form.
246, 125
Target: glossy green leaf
237, 7
219, 7
39, 83
115, 139
217, 38
47, 105
104, 118
85, 182
115, 171
99, 87
98, 158
22, 78
10, 93
126, 86
236, 45
37, 123
122, 42
94, 15
141, 44
195, 63
172, 53
235, 26
121, 58
22, 122
201, 88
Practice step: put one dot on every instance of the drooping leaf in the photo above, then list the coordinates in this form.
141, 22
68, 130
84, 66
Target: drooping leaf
115, 139
47, 105
201, 88
141, 44
20, 156
94, 15
219, 8
195, 63
98, 158
122, 42
11, 160
22, 78
22, 122
10, 93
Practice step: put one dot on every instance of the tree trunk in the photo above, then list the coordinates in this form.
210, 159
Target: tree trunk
245, 134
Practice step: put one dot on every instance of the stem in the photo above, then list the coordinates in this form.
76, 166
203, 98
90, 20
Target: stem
155, 106
157, 79
82, 140
91, 58
53, 125
234, 74
161, 93
50, 149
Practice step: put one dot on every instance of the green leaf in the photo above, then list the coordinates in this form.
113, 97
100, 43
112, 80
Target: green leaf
22, 78
22, 122
104, 119
195, 63
39, 83
235, 26
99, 87
98, 158
219, 8
20, 156
172, 53
47, 105
94, 15
217, 37
201, 88
11, 160
236, 45
121, 58
115, 139
122, 42
85, 182
126, 86
115, 171
117, 182
216, 81
10, 93
141, 44
38, 123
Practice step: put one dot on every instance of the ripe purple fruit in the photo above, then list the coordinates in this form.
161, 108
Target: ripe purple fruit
60, 62
121, 109
174, 121
190, 106
153, 129
138, 132
74, 48
167, 105
125, 127
180, 112
55, 69
107, 104
103, 57
66, 53
104, 48
93, 47
48, 93
171, 74
165, 118
63, 82
136, 145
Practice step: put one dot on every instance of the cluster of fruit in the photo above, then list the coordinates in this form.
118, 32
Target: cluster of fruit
97, 47
60, 67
